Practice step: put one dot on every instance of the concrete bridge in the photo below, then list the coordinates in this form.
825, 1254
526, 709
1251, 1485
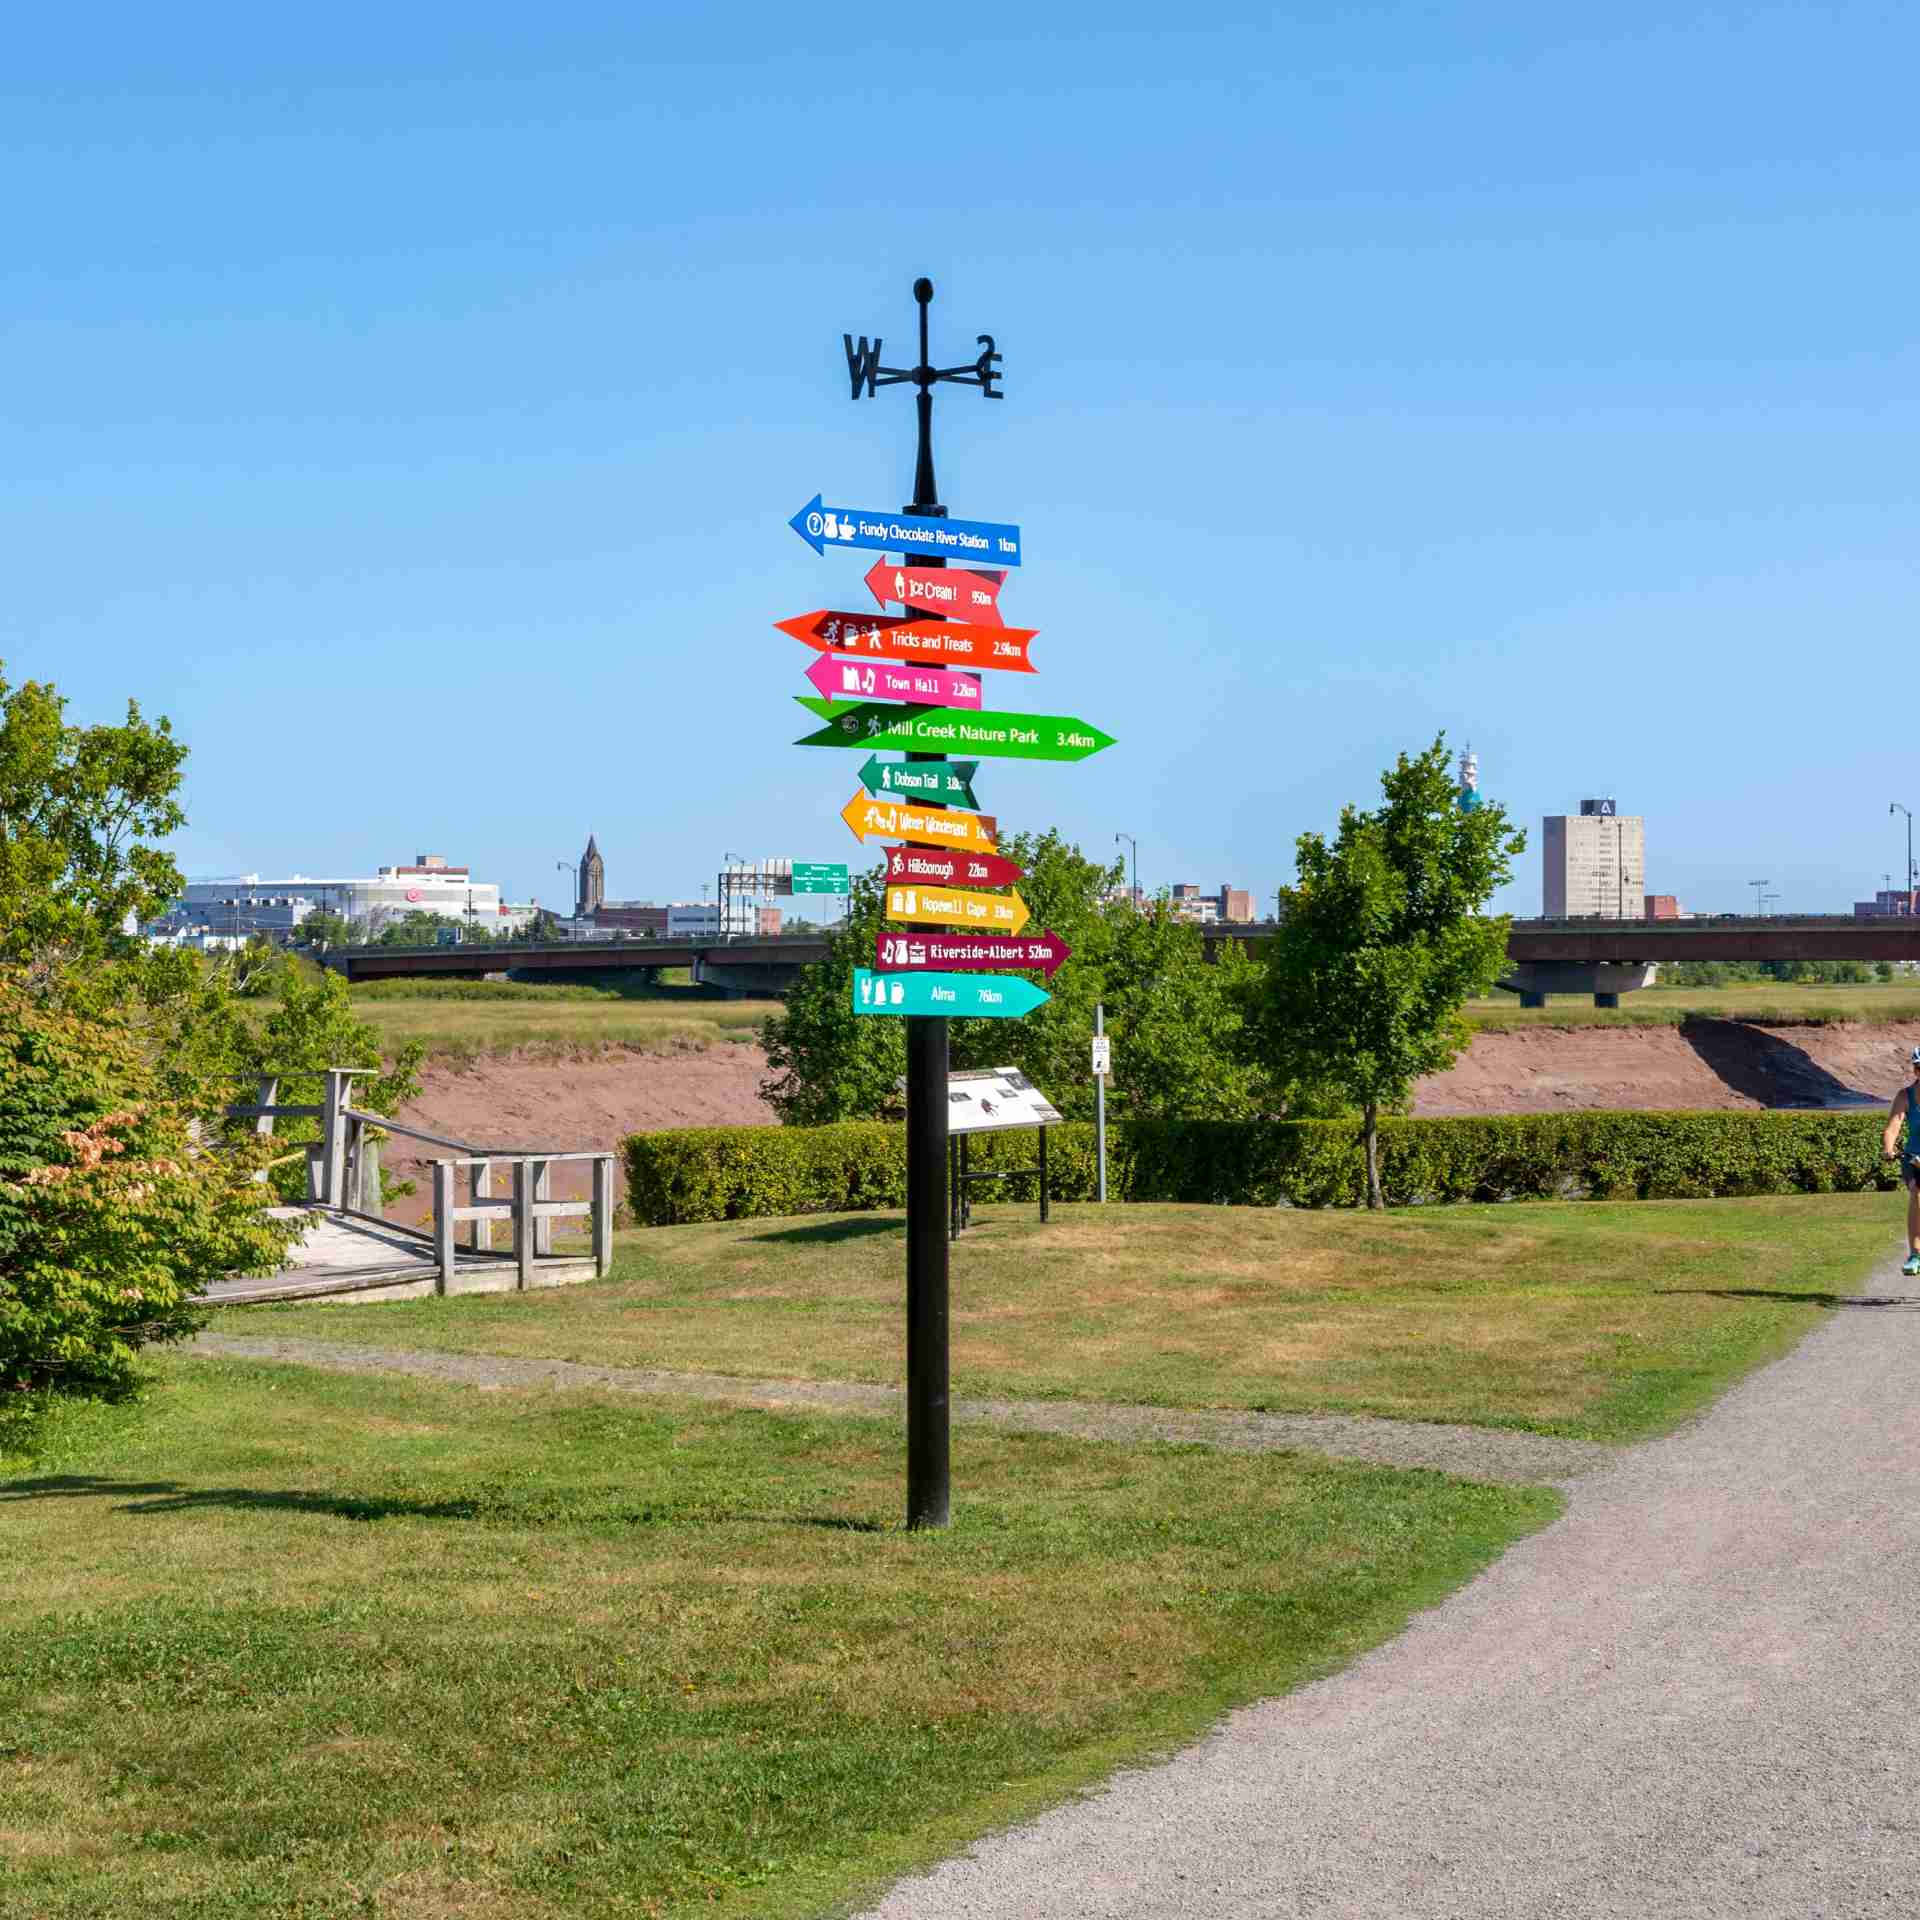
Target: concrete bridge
1603, 957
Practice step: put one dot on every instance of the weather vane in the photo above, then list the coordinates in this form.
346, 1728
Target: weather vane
864, 370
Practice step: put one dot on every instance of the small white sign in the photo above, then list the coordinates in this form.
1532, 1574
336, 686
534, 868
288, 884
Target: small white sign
1102, 1053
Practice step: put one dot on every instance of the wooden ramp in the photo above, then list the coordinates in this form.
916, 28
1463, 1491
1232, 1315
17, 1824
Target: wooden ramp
352, 1259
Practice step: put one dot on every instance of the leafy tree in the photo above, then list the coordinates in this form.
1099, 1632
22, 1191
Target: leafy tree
324, 930
1382, 939
1173, 1014
79, 810
113, 1214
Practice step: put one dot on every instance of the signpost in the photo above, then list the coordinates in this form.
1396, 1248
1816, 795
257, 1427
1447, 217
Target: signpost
948, 996
990, 541
948, 781
1003, 736
969, 952
957, 907
816, 876
956, 593
937, 826
951, 869
936, 720
942, 643
843, 676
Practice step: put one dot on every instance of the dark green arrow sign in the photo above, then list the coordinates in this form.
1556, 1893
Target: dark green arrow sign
941, 783
1003, 736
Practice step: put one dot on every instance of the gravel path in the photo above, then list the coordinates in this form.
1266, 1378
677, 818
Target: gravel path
1474, 1453
1693, 1695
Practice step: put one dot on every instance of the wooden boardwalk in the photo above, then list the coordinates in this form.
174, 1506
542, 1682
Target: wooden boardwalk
354, 1260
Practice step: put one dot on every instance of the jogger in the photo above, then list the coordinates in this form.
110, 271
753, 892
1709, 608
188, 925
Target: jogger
1902, 1137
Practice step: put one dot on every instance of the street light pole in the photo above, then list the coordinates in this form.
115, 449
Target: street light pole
1892, 806
1134, 844
1759, 897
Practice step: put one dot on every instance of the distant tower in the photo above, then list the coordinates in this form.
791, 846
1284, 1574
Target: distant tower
593, 881
1470, 797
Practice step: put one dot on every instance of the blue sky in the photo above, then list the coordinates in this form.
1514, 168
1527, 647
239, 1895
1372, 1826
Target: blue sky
410, 402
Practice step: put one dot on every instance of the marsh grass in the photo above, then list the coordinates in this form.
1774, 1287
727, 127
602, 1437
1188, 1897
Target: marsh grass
1599, 1320
279, 1642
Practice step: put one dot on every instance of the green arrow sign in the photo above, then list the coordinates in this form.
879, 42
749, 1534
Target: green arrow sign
1005, 736
941, 783
815, 876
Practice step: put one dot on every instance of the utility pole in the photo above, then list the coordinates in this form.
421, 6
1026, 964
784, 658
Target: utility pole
929, 1458
1759, 897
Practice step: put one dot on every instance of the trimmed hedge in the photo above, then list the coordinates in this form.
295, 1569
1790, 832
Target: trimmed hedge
737, 1173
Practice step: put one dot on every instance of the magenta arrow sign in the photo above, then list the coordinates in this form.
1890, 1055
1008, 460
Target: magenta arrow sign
951, 868
841, 677
917, 952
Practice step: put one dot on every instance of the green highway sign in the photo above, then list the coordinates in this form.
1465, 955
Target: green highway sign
941, 783
814, 876
1005, 736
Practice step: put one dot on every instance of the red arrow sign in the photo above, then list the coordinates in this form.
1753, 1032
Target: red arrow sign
945, 590
910, 951
924, 643
951, 869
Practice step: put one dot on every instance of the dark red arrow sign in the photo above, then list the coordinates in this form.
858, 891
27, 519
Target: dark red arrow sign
951, 591
912, 951
947, 868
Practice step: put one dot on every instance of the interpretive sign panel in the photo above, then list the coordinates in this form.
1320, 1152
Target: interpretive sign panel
994, 1100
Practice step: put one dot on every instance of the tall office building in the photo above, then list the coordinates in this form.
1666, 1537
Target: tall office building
1594, 864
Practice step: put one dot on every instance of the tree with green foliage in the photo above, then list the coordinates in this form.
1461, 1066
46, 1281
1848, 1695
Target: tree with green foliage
1174, 1014
1383, 937
114, 1208
80, 808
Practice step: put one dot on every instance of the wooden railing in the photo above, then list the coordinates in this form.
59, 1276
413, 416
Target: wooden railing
343, 1176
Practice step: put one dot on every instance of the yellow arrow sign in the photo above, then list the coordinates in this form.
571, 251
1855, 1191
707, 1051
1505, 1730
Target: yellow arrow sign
955, 907
883, 819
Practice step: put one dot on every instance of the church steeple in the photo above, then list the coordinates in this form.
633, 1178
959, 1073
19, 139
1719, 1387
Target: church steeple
593, 881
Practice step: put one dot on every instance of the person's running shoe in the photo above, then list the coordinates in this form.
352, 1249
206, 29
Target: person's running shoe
1912, 1268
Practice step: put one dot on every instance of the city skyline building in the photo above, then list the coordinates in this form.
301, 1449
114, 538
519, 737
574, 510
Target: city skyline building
1593, 863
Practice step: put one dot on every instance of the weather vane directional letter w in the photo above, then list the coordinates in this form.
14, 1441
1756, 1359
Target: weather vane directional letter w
863, 363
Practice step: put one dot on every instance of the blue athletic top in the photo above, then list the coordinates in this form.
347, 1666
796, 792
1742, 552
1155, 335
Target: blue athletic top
1910, 1128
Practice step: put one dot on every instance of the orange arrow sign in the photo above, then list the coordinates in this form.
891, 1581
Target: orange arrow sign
882, 819
956, 907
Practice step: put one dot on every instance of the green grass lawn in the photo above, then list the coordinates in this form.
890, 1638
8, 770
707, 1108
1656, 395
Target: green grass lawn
284, 1643
1765, 1002
1600, 1320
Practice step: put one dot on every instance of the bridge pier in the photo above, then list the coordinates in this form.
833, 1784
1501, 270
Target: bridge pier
1606, 980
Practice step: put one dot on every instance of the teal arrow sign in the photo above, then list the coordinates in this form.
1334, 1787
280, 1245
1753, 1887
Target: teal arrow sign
941, 783
1005, 736
959, 996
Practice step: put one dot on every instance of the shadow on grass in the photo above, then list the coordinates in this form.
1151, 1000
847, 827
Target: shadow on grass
828, 1232
1802, 1299
169, 1496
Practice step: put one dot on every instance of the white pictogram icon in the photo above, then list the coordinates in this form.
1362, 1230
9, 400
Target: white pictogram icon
830, 526
816, 526
899, 993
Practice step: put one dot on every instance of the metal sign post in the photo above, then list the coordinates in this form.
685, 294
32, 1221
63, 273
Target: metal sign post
1102, 1065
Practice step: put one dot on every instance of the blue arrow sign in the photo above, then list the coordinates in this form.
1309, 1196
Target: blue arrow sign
971, 542
960, 996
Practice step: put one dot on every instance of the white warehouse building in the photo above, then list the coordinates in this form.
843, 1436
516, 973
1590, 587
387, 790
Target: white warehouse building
246, 903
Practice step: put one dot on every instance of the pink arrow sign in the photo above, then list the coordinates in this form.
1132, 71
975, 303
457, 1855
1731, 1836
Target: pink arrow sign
897, 951
952, 591
951, 868
842, 677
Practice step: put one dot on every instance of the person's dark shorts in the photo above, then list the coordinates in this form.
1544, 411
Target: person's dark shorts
1910, 1173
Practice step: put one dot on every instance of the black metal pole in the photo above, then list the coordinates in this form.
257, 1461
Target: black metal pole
929, 1460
